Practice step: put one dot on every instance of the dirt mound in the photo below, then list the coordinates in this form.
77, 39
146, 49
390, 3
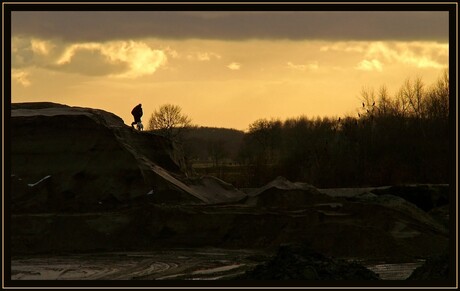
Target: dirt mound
282, 193
299, 262
36, 105
281, 183
425, 197
93, 161
216, 190
82, 180
402, 205
441, 214
435, 268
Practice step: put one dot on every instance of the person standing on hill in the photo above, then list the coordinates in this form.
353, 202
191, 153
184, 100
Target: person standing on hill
137, 113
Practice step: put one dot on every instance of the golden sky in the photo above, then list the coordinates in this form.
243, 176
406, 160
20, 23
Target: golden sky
224, 69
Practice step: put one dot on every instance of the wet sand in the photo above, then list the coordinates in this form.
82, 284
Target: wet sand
176, 264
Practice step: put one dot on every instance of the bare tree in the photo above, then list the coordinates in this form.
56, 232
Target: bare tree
437, 103
415, 96
401, 103
368, 101
169, 121
384, 102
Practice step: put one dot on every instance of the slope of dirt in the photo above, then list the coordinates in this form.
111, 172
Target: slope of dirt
352, 230
425, 197
282, 193
91, 158
435, 268
83, 181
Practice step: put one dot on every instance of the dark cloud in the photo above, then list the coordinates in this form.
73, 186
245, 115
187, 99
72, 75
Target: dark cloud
105, 25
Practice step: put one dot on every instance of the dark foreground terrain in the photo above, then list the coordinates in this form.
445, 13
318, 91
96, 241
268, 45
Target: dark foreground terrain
202, 264
94, 199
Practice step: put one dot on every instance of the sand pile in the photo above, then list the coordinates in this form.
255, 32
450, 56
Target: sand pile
435, 268
403, 206
425, 197
94, 161
282, 193
83, 180
216, 190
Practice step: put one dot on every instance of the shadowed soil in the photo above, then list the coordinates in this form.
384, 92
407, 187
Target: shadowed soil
83, 182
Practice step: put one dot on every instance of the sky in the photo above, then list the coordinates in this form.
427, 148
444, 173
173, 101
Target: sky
224, 69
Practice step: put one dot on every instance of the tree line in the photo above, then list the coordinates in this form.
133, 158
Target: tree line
392, 139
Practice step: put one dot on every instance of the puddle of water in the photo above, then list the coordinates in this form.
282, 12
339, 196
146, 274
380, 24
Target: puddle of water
191, 265
217, 270
183, 264
394, 271
171, 276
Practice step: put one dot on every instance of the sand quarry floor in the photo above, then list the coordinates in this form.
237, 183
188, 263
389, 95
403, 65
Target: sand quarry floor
138, 158
175, 264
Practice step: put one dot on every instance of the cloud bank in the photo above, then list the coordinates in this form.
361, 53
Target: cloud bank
90, 26
125, 59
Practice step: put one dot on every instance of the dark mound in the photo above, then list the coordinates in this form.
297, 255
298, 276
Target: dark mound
37, 105
82, 180
300, 262
425, 197
441, 214
436, 268
88, 157
284, 194
82, 159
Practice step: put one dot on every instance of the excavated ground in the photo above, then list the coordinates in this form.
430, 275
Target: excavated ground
93, 199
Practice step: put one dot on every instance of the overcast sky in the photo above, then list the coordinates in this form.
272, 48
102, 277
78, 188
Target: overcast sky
223, 68
298, 25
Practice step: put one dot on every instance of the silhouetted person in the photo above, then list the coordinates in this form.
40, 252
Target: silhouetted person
137, 113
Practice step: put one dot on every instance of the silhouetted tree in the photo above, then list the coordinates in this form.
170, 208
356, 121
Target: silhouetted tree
384, 107
169, 121
216, 149
437, 98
